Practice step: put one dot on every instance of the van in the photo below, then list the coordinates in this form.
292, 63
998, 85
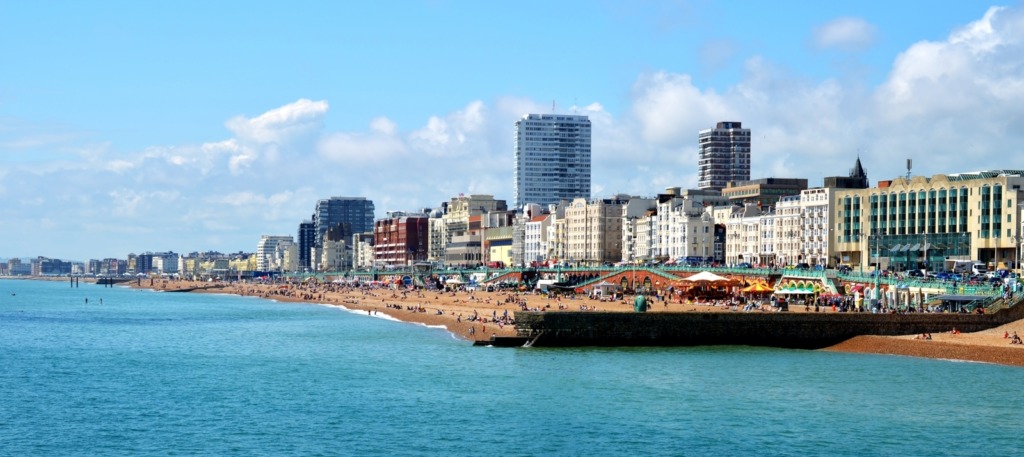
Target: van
970, 267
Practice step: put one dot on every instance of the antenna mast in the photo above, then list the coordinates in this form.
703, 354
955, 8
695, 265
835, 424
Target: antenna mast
909, 166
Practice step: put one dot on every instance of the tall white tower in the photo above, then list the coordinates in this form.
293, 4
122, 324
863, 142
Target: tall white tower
552, 154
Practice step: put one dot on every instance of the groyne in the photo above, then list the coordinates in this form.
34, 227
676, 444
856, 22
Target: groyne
788, 330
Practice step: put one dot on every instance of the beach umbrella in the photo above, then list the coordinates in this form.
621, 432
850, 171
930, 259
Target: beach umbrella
706, 276
757, 288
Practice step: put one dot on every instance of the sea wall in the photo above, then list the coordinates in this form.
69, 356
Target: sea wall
791, 330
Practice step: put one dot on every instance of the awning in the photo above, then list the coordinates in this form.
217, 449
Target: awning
895, 248
905, 248
917, 247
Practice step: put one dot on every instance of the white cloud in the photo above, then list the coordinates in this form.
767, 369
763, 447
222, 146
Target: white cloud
670, 108
451, 135
377, 146
959, 97
980, 35
280, 124
273, 132
120, 166
130, 203
845, 33
383, 126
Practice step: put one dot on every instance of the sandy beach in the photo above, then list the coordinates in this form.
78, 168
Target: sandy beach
478, 315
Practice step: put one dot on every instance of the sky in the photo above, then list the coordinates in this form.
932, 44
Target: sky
187, 126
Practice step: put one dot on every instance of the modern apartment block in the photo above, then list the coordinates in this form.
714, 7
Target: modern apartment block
306, 241
552, 155
353, 214
724, 155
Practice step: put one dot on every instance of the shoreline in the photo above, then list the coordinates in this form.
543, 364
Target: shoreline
432, 309
453, 311
939, 350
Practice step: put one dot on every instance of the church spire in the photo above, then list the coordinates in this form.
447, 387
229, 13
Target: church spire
858, 173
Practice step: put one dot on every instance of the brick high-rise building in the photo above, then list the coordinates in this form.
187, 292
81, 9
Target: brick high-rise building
724, 155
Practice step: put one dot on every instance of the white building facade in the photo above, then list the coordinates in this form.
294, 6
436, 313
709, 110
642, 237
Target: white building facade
552, 159
266, 250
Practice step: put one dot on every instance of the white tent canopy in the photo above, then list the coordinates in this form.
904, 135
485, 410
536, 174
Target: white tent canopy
706, 276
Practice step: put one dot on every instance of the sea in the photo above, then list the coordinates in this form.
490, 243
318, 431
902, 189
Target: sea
148, 373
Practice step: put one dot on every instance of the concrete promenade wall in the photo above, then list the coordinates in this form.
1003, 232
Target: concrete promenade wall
791, 330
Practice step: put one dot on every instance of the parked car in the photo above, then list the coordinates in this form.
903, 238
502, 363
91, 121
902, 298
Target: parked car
844, 269
744, 265
914, 274
1001, 273
946, 276
803, 266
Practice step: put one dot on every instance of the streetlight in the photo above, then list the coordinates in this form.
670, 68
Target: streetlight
967, 245
1018, 239
927, 265
878, 272
860, 256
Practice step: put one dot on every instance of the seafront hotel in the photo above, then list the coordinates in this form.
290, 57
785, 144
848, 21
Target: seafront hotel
903, 223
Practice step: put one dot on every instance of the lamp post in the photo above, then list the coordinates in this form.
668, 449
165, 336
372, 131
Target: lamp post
860, 256
1017, 239
878, 271
967, 245
927, 266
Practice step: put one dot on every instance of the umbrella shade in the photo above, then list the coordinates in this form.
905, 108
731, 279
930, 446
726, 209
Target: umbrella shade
757, 288
706, 276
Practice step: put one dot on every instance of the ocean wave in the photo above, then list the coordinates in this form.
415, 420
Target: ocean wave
376, 314
388, 317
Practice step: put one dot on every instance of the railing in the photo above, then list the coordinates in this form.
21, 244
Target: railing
824, 275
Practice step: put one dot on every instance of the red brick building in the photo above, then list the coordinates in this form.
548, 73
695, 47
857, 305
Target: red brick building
400, 240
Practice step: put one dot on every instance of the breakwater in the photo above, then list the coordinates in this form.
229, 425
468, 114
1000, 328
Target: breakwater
788, 330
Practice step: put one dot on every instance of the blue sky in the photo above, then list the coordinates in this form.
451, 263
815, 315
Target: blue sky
127, 127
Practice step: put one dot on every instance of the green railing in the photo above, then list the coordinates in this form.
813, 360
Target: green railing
665, 271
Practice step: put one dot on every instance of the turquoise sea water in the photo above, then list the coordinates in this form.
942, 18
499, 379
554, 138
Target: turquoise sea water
149, 373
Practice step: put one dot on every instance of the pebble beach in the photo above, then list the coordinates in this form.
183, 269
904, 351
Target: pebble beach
478, 315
